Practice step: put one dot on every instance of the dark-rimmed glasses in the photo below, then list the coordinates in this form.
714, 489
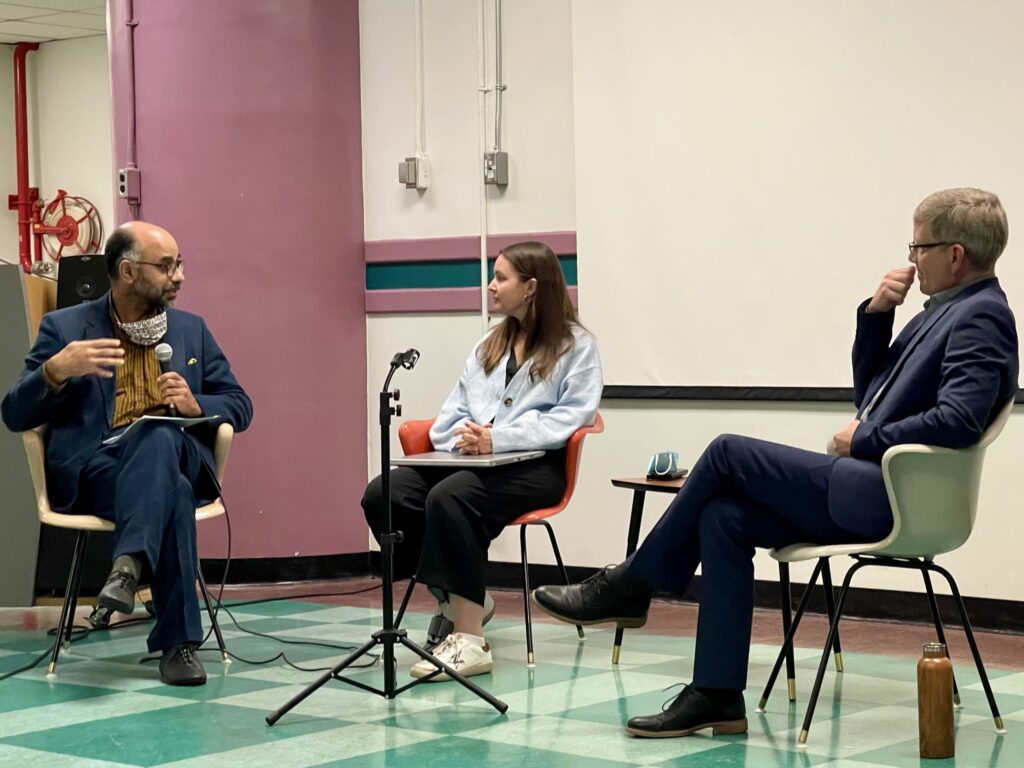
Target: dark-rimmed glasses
169, 268
918, 247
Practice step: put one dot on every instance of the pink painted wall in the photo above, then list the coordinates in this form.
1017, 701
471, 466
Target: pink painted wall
248, 123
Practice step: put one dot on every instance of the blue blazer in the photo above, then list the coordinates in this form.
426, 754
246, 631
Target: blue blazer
955, 368
80, 415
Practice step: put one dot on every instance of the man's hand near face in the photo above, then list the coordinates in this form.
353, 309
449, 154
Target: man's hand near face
893, 290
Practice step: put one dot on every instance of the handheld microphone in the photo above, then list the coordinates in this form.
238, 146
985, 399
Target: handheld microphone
164, 353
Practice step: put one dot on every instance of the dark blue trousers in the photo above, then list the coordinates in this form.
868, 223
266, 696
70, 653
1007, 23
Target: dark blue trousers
741, 494
145, 485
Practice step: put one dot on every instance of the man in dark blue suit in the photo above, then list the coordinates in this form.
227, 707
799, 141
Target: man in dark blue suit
941, 382
91, 373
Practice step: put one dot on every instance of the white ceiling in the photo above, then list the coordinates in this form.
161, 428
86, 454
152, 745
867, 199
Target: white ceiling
39, 21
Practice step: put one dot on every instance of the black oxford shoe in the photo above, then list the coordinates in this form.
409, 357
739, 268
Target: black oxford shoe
692, 711
180, 666
594, 601
118, 594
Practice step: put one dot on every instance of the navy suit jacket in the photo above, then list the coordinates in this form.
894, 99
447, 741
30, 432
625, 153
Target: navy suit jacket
955, 368
80, 414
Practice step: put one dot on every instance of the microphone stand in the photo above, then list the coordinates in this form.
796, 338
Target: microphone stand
389, 635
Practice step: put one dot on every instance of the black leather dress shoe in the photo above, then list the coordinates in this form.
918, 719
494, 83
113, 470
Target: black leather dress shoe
180, 666
118, 594
692, 711
594, 601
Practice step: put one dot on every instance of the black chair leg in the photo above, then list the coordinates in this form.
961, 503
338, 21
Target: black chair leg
405, 601
829, 643
213, 614
526, 595
830, 607
67, 611
786, 599
974, 646
934, 605
787, 643
561, 566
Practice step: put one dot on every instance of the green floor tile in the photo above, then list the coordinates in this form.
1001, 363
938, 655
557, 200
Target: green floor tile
153, 737
106, 710
453, 750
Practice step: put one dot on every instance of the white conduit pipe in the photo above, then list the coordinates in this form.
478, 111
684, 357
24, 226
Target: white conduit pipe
482, 90
421, 138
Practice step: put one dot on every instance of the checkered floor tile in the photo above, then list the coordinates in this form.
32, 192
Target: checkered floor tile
104, 708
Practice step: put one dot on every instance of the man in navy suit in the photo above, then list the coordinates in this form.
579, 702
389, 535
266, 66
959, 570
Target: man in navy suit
941, 382
91, 373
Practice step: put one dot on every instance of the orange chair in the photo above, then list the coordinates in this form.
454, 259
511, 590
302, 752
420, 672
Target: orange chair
414, 436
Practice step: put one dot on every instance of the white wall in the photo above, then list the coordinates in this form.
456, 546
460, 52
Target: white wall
69, 128
537, 130
8, 167
592, 530
69, 122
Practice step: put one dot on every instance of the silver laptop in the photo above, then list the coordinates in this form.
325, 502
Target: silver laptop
449, 459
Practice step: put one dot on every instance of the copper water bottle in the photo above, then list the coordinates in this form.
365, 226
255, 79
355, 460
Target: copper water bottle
935, 702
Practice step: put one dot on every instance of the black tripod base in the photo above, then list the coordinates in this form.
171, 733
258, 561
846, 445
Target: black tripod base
388, 638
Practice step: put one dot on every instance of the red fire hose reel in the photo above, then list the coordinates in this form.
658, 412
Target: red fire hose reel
67, 226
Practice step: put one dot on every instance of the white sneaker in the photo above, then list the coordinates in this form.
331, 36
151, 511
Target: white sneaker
465, 657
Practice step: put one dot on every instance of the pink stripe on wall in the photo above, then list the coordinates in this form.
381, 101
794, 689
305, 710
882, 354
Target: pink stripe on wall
433, 300
464, 248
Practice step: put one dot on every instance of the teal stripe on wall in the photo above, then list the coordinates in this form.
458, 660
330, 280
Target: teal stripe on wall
441, 274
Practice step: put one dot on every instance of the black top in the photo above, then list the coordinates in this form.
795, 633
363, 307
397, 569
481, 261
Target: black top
512, 366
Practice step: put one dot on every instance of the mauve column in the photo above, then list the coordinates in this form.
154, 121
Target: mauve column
248, 130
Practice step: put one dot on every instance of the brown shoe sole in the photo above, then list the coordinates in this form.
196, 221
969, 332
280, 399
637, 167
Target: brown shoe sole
722, 728
627, 622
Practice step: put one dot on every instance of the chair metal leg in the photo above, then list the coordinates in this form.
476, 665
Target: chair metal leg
561, 566
67, 616
934, 605
405, 601
213, 614
786, 598
526, 595
830, 607
829, 643
787, 643
970, 640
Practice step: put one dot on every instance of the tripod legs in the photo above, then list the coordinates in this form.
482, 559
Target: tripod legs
388, 638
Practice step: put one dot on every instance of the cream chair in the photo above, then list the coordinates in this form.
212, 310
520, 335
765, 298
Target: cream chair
86, 524
933, 493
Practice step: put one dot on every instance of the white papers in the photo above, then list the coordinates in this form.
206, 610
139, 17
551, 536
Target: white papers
175, 421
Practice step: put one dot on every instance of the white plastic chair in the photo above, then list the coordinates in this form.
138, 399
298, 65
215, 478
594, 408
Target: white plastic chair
86, 524
933, 493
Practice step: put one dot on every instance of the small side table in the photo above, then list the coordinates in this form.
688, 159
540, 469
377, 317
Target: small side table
640, 486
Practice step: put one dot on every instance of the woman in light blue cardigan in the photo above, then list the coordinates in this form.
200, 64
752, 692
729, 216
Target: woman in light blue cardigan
529, 383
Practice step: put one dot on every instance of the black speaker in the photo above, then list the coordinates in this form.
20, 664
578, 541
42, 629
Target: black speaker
81, 278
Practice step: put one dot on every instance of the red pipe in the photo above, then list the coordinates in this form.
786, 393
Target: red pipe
25, 198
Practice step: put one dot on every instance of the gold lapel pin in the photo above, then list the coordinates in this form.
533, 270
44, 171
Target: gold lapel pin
192, 361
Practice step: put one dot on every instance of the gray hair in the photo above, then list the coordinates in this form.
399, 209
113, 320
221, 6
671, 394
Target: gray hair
969, 216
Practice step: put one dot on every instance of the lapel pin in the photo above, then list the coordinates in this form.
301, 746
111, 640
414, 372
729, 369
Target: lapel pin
192, 361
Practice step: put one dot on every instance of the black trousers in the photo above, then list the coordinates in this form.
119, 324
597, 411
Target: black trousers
449, 516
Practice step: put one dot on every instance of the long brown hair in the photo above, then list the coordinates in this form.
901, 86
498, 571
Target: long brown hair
549, 315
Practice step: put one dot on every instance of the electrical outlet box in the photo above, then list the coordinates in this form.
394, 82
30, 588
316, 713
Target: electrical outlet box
496, 168
129, 183
414, 172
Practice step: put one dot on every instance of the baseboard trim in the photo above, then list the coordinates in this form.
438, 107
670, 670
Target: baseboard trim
876, 604
274, 570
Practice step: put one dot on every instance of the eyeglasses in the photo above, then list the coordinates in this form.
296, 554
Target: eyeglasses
918, 247
169, 268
